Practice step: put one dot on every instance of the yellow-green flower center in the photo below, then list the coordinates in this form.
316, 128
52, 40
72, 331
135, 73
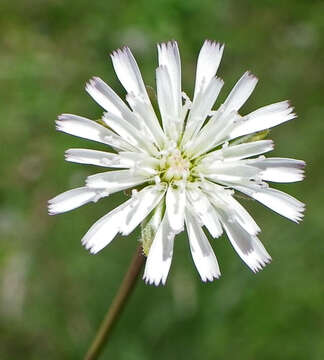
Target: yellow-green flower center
174, 166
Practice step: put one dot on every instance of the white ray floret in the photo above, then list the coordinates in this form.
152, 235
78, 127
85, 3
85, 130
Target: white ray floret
73, 199
122, 218
280, 169
248, 246
166, 100
128, 72
160, 256
208, 62
128, 132
148, 119
238, 152
240, 93
276, 200
207, 87
102, 158
264, 118
108, 99
115, 181
201, 107
175, 203
201, 251
204, 211
183, 164
169, 58
88, 129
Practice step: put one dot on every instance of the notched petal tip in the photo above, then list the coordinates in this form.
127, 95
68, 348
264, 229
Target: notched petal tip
287, 104
215, 44
170, 44
90, 247
299, 214
251, 76
67, 154
65, 117
219, 80
51, 208
211, 278
300, 164
93, 82
155, 282
122, 51
262, 264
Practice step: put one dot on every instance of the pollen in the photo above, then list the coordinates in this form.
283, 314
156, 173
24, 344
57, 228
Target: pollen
175, 166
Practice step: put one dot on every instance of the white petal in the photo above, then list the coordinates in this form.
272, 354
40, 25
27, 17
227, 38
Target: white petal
122, 219
248, 247
175, 205
170, 58
204, 211
204, 102
264, 118
234, 210
95, 157
74, 198
280, 169
128, 132
88, 129
238, 152
229, 171
106, 228
201, 251
201, 107
114, 181
240, 93
107, 98
208, 62
145, 202
128, 72
136, 158
214, 133
167, 105
276, 200
146, 113
142, 164
160, 255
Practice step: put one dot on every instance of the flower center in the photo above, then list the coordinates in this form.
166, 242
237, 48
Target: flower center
175, 166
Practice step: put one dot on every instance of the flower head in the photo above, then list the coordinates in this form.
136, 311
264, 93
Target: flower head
184, 165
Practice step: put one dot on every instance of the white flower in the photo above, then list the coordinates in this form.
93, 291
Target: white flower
185, 169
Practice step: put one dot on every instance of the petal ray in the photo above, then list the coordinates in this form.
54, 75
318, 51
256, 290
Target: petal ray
160, 255
201, 251
128, 72
88, 129
73, 199
209, 59
114, 181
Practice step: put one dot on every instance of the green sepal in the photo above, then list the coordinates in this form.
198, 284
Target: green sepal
152, 95
128, 192
252, 137
241, 196
149, 227
153, 98
102, 123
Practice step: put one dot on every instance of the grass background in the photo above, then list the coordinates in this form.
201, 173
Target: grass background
53, 294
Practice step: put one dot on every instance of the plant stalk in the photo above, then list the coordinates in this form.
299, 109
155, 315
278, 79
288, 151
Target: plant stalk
117, 306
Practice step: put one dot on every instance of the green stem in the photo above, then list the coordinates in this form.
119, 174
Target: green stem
117, 305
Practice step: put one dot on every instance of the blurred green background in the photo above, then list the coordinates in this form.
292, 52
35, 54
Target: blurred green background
53, 294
